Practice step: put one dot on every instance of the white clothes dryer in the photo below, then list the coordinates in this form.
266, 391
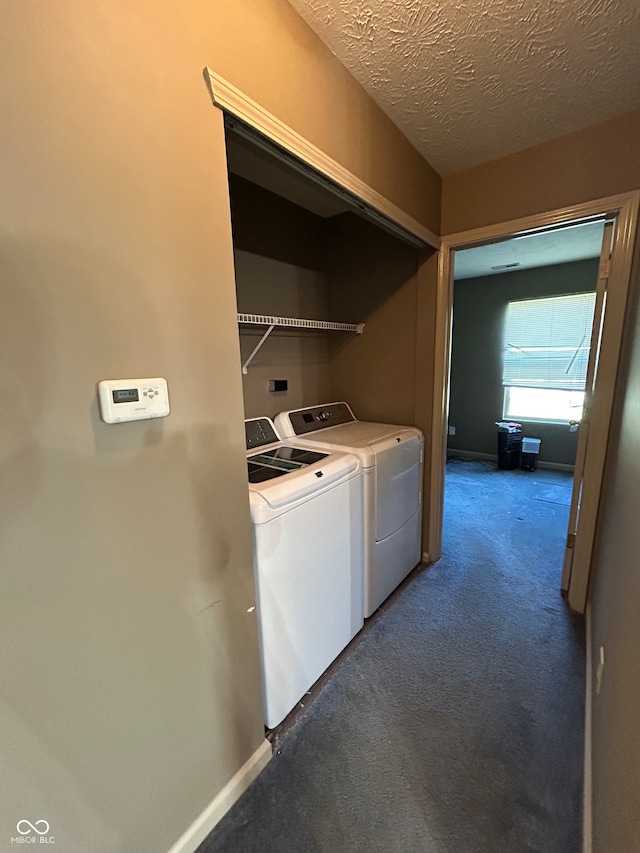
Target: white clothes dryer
392, 460
307, 521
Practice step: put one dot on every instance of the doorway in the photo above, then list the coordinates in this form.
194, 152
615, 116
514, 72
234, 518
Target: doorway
522, 320
623, 210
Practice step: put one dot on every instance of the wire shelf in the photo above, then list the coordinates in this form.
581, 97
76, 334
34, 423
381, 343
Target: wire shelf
291, 323
299, 323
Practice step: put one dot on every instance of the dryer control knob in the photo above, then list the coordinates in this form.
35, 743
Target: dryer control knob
324, 416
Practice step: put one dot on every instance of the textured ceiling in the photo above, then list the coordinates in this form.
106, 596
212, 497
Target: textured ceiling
471, 80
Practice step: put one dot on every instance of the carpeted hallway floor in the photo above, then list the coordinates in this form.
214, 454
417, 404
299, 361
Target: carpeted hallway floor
454, 723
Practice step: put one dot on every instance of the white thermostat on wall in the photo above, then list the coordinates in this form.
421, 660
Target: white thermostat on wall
133, 399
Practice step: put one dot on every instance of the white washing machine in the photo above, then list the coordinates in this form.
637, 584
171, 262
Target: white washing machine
307, 521
392, 459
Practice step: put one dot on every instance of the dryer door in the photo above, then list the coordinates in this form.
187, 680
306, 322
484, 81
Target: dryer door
398, 482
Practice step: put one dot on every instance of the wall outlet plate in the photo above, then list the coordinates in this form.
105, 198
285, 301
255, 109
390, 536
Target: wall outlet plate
600, 670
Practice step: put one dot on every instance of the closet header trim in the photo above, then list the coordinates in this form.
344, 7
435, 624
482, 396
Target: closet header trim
269, 132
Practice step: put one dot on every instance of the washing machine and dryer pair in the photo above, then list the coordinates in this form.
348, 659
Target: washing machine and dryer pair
392, 461
336, 521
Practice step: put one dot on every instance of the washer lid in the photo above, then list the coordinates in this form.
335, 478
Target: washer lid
285, 490
277, 461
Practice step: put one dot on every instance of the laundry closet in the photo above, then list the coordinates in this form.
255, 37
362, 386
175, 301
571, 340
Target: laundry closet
304, 252
327, 306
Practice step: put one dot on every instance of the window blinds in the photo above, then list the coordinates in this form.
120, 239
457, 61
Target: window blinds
546, 342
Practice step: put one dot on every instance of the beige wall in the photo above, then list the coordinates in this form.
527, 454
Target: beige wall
266, 286
129, 663
265, 224
615, 600
129, 666
279, 257
302, 83
599, 161
386, 374
372, 278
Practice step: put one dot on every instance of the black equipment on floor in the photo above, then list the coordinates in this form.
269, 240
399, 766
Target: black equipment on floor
509, 445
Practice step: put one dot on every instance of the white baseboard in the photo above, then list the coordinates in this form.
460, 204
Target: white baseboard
215, 811
587, 803
493, 457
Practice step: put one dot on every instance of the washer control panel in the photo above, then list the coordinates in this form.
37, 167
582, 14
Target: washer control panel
133, 399
305, 421
259, 431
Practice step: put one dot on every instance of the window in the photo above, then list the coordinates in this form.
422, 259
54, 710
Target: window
546, 351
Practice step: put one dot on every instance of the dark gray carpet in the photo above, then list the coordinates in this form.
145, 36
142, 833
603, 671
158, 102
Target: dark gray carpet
455, 722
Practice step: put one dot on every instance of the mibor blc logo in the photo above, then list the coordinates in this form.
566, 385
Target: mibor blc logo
33, 833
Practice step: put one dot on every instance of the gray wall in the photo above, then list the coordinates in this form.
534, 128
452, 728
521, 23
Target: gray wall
476, 362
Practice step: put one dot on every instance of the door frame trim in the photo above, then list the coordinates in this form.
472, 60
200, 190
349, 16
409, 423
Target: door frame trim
626, 206
231, 100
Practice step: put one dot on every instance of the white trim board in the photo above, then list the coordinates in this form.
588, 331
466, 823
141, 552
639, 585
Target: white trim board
193, 837
226, 97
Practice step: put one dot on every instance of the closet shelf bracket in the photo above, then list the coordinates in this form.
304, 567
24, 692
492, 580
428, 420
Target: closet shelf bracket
257, 348
290, 323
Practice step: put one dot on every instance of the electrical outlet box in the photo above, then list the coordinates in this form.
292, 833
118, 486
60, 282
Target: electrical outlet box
452, 430
278, 385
